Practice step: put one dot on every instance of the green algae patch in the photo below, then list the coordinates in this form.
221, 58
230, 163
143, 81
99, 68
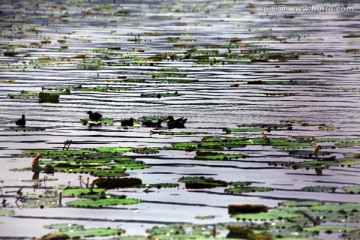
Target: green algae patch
208, 155
93, 232
102, 200
102, 121
6, 212
202, 182
240, 190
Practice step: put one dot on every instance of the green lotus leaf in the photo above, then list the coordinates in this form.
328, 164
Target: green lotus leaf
248, 189
108, 200
331, 228
102, 121
266, 216
343, 207
352, 189
64, 226
206, 155
301, 203
93, 232
168, 75
6, 212
25, 129
100, 89
74, 191
114, 149
319, 189
202, 182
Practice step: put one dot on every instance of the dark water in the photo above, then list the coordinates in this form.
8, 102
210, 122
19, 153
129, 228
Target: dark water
209, 103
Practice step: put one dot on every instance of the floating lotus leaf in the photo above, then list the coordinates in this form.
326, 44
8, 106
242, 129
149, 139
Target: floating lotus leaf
201, 155
243, 129
182, 232
236, 190
206, 217
114, 149
146, 150
343, 207
103, 201
316, 164
151, 118
202, 182
48, 153
102, 121
168, 75
266, 216
41, 200
319, 189
292, 121
331, 229
64, 226
160, 95
355, 234
307, 153
352, 189
100, 89
301, 203
93, 232
240, 184
6, 212
134, 238
74, 191
328, 128
25, 129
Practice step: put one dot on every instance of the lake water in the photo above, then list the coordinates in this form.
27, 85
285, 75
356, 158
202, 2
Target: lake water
326, 63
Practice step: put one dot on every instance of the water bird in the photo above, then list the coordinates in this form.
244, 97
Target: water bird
21, 122
94, 116
178, 123
149, 123
317, 150
127, 122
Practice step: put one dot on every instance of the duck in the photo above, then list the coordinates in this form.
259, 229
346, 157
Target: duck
178, 123
127, 122
94, 116
149, 123
21, 122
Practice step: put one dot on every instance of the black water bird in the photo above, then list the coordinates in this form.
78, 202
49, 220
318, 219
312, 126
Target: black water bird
94, 116
127, 122
21, 122
149, 123
178, 123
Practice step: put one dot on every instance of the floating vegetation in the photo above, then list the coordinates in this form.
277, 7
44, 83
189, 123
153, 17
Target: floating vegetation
280, 94
207, 155
160, 95
239, 190
110, 183
352, 189
102, 121
6, 212
26, 129
86, 233
202, 182
101, 200
158, 185
319, 189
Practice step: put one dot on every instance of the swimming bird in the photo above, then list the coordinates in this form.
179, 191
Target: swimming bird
178, 123
21, 122
149, 123
94, 116
127, 122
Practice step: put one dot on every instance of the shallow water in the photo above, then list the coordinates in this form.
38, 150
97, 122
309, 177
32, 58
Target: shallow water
209, 103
